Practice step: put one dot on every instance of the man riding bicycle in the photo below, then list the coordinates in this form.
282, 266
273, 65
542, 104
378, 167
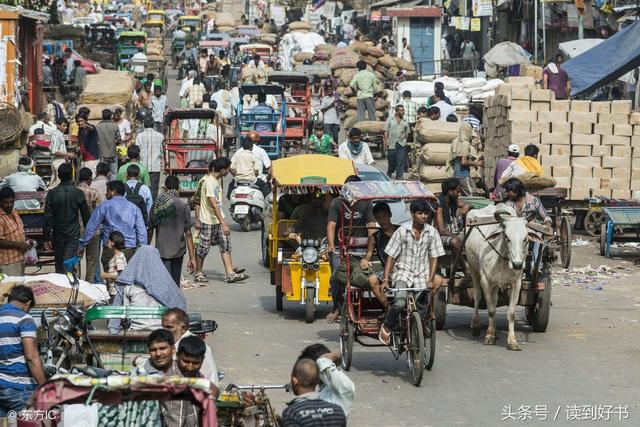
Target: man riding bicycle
413, 252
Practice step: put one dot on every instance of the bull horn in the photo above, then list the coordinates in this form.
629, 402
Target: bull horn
499, 214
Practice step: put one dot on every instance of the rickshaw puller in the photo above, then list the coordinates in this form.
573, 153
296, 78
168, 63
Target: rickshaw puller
413, 253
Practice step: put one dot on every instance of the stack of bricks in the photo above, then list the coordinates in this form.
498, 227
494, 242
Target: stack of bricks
590, 148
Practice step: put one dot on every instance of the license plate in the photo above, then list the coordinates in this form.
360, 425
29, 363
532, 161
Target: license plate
243, 209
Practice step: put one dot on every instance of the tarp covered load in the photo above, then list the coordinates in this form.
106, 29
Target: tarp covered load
504, 54
53, 290
108, 87
605, 62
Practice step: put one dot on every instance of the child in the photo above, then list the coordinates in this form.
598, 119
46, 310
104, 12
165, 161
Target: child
117, 263
321, 143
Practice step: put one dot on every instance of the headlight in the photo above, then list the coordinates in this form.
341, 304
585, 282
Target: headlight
64, 322
310, 255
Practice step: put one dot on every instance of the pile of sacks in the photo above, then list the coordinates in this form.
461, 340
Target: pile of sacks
431, 151
460, 91
296, 46
225, 22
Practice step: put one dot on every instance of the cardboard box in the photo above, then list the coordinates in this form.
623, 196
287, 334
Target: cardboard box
560, 171
635, 185
623, 130
605, 183
551, 116
635, 173
623, 107
562, 150
635, 141
563, 182
525, 138
560, 105
601, 107
600, 150
544, 95
619, 151
581, 150
545, 150
519, 105
621, 173
581, 106
530, 70
582, 171
596, 192
602, 173
520, 93
580, 117
585, 183
555, 138
540, 127
636, 130
603, 129
613, 119
635, 164
555, 161
521, 81
635, 152
580, 193
616, 162
540, 106
621, 194
520, 126
586, 161
583, 139
527, 116
560, 127
620, 184
582, 128
616, 140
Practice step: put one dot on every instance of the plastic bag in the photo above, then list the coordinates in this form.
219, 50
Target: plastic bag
31, 256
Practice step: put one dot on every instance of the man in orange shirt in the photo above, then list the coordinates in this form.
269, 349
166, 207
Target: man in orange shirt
13, 244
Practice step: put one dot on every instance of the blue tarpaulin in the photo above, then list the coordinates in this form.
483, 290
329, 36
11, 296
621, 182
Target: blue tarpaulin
605, 62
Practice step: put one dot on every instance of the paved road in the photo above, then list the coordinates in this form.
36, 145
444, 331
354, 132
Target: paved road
588, 356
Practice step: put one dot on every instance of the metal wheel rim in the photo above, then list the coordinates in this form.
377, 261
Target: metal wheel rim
592, 223
416, 364
429, 330
565, 243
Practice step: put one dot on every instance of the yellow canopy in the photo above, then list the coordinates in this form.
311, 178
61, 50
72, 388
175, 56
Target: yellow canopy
294, 171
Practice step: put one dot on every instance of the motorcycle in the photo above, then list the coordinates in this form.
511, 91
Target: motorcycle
256, 410
247, 204
310, 253
186, 65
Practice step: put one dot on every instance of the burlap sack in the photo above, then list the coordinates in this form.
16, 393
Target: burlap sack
322, 55
360, 47
435, 154
302, 56
436, 132
370, 60
381, 104
344, 60
533, 181
326, 46
299, 25
367, 126
376, 52
225, 19
347, 75
404, 65
349, 122
433, 173
387, 61
108, 87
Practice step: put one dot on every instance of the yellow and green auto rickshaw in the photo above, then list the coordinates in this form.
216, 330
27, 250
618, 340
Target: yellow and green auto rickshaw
299, 266
128, 44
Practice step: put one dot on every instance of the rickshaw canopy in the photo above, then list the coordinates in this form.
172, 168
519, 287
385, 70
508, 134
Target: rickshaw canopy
256, 89
257, 47
385, 190
248, 30
132, 35
207, 44
152, 23
199, 113
311, 171
238, 40
216, 36
288, 77
190, 20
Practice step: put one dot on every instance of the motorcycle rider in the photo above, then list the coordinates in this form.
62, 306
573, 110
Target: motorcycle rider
189, 52
245, 166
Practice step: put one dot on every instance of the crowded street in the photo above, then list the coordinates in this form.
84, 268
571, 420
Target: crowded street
274, 213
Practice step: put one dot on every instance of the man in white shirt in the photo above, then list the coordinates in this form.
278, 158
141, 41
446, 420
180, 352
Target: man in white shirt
158, 105
331, 117
139, 58
43, 123
123, 125
245, 166
356, 150
187, 82
176, 321
150, 143
445, 110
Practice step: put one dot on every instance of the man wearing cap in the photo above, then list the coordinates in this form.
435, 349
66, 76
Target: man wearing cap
513, 151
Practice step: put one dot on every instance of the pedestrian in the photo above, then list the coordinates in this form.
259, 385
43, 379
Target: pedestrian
116, 213
364, 84
144, 97
444, 109
21, 369
556, 78
396, 132
356, 150
123, 125
334, 385
460, 161
54, 109
171, 219
450, 215
321, 142
58, 149
158, 107
88, 141
61, 225
117, 262
138, 193
177, 322
363, 223
99, 182
133, 155
47, 73
43, 122
213, 228
469, 51
413, 252
406, 52
108, 140
410, 111
473, 118
13, 243
93, 199
308, 409
78, 74
150, 143
513, 151
331, 116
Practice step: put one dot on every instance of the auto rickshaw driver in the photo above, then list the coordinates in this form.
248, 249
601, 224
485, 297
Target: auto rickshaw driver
311, 219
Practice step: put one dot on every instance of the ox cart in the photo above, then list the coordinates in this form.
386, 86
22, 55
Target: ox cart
535, 291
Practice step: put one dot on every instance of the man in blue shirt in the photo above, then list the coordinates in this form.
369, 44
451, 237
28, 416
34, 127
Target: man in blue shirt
20, 366
116, 214
266, 125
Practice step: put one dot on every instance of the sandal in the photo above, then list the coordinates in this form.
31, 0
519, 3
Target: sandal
239, 270
385, 335
235, 277
333, 317
201, 277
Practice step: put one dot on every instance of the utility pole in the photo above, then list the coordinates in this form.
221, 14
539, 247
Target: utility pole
535, 31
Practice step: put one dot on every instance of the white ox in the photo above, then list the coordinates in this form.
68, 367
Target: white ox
496, 255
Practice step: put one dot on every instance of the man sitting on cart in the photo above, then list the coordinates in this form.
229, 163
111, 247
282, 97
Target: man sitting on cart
262, 108
311, 219
413, 253
449, 220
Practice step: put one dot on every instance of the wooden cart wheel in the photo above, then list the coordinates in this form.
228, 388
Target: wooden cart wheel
592, 222
416, 353
440, 308
538, 314
565, 242
310, 305
347, 335
603, 239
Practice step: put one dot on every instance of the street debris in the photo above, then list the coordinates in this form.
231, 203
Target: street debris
580, 242
588, 277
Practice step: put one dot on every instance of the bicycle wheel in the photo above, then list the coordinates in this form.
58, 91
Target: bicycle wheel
416, 353
429, 343
347, 335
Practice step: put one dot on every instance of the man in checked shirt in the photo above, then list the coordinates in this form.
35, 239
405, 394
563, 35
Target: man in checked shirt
413, 253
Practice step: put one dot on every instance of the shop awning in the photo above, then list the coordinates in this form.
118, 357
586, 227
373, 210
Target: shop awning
605, 62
